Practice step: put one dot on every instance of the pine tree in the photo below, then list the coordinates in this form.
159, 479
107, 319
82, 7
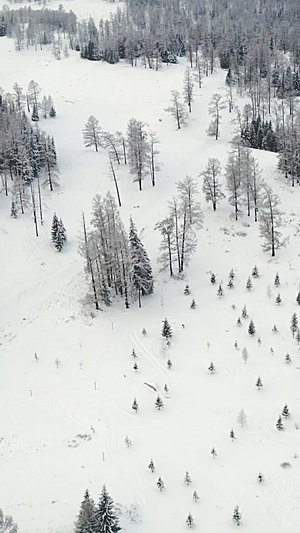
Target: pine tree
277, 280
54, 228
160, 484
231, 274
244, 312
169, 364
166, 330
275, 329
298, 336
236, 517
166, 388
193, 304
255, 273
106, 517
213, 278
294, 324
135, 405
220, 292
86, 520
285, 411
35, 114
13, 210
144, 332
287, 359
259, 383
232, 435
187, 290
190, 521
127, 441
151, 466
230, 284
251, 328
52, 112
195, 496
214, 453
249, 284
135, 367
212, 368
239, 322
133, 353
279, 423
260, 478
298, 298
187, 479
159, 403
61, 236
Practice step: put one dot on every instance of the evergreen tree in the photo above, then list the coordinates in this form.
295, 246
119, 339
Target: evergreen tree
231, 274
277, 280
135, 367
244, 312
279, 423
159, 403
212, 368
220, 292
190, 521
58, 233
259, 383
160, 484
275, 329
214, 453
133, 353
213, 278
193, 304
187, 479
52, 112
106, 517
294, 324
35, 114
298, 298
187, 290
278, 299
151, 466
232, 435
13, 210
239, 322
285, 411
135, 405
249, 284
142, 278
86, 521
251, 328
166, 330
236, 517
169, 364
288, 359
7, 525
260, 478
255, 273
230, 284
54, 228
195, 496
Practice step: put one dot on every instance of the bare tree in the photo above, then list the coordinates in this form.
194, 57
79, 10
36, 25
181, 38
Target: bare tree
270, 221
216, 105
176, 109
152, 156
92, 133
211, 186
137, 149
188, 88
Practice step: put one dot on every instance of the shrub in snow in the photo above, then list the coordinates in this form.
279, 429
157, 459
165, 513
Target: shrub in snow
287, 359
193, 304
213, 278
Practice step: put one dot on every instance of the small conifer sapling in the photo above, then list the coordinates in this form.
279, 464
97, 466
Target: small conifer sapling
160, 484
195, 496
260, 478
169, 364
278, 299
193, 304
237, 517
187, 479
255, 273
251, 328
259, 383
285, 411
232, 435
151, 466
190, 521
244, 312
288, 359
159, 403
212, 368
249, 284
213, 278
187, 290
277, 280
135, 366
214, 453
279, 424
135, 405
220, 292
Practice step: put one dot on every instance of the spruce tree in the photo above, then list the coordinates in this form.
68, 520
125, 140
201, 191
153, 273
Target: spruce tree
169, 364
255, 273
249, 284
279, 424
159, 403
277, 280
61, 236
151, 466
135, 405
187, 479
213, 278
232, 435
54, 228
294, 324
285, 411
52, 112
212, 368
86, 521
195, 496
193, 304
298, 298
260, 478
106, 517
244, 312
35, 114
220, 292
190, 521
278, 299
287, 359
236, 517
259, 383
142, 278
187, 290
251, 328
160, 484
166, 330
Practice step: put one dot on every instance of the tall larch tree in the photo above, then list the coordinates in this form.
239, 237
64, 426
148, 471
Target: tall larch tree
92, 133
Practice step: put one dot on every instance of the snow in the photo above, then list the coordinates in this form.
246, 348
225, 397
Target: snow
49, 454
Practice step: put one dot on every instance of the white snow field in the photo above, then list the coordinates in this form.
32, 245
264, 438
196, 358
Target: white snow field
84, 375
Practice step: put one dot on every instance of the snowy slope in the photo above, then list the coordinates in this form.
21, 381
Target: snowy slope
48, 452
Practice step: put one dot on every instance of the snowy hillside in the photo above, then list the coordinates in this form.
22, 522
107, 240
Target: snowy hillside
65, 416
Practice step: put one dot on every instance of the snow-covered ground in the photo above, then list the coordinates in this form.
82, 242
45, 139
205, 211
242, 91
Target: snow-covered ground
84, 375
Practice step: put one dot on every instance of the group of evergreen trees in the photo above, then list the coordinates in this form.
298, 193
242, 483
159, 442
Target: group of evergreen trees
117, 263
260, 134
97, 518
